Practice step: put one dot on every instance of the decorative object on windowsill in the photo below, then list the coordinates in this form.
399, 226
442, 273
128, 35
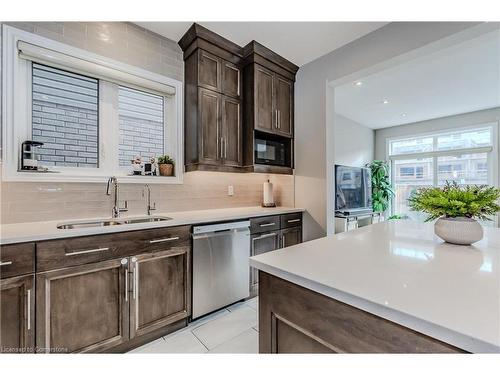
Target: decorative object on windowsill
166, 165
381, 186
137, 166
456, 207
29, 155
154, 167
268, 200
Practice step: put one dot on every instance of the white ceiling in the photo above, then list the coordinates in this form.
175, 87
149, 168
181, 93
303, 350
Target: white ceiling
299, 42
458, 79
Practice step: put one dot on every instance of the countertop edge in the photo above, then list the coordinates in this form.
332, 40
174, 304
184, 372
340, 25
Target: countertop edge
70, 233
435, 331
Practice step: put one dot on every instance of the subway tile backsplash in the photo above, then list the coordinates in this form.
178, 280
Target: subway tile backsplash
26, 202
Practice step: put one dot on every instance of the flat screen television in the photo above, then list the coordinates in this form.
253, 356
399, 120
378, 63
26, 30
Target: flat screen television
353, 189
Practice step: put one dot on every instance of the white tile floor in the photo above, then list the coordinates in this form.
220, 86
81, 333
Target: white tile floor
231, 330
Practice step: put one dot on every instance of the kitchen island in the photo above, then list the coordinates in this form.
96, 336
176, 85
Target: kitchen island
391, 287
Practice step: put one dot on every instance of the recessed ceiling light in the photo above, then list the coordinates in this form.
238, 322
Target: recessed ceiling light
385, 101
403, 114
358, 83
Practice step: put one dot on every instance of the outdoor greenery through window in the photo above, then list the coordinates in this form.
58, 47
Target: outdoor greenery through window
431, 160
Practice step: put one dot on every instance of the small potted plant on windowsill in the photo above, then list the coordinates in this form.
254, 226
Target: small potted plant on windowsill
166, 165
456, 207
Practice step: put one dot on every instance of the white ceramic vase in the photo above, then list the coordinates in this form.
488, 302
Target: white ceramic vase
458, 230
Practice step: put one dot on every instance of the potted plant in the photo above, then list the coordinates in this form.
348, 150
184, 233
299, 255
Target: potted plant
166, 165
456, 207
381, 186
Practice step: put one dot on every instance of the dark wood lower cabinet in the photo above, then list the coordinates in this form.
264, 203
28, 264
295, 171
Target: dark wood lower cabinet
160, 290
83, 308
17, 314
293, 319
291, 236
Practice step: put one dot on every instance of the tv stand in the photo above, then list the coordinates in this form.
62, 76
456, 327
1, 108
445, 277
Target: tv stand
345, 222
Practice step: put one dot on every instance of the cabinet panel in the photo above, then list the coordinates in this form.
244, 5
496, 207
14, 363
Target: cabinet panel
160, 290
231, 79
209, 115
17, 314
83, 308
264, 224
284, 105
264, 90
262, 243
291, 236
231, 131
209, 70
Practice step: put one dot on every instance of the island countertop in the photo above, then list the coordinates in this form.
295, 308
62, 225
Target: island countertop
400, 271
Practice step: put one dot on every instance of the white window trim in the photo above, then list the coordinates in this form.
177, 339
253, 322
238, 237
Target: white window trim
16, 113
492, 151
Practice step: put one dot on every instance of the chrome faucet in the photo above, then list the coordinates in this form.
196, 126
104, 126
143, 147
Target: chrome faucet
115, 211
149, 208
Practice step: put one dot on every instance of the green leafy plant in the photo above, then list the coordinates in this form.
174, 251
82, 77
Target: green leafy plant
395, 217
165, 159
453, 200
381, 186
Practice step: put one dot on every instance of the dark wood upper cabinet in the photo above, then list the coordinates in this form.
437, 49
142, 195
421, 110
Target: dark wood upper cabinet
231, 130
209, 107
250, 88
265, 118
17, 314
213, 107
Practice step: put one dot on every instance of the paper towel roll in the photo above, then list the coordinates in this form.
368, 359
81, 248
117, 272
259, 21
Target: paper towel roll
268, 195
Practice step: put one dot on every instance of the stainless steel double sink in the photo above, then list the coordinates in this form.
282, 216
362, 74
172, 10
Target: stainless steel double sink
109, 222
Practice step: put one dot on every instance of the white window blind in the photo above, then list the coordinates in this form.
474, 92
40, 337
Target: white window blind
100, 69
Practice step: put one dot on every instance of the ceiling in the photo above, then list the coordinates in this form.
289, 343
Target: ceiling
299, 42
458, 79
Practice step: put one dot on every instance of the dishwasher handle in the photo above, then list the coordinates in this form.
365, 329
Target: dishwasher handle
220, 233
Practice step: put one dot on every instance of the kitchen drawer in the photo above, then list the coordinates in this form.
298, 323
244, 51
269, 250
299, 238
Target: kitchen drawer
264, 224
291, 220
16, 260
70, 252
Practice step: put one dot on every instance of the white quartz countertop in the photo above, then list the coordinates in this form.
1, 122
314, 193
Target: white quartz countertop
401, 271
44, 230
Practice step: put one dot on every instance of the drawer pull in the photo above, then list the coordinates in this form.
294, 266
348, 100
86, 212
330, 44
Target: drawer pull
5, 263
28, 313
164, 239
264, 236
267, 224
87, 251
293, 220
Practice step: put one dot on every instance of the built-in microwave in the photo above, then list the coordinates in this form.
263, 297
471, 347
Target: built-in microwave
272, 151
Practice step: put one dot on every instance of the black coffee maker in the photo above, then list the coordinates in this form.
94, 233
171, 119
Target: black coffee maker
29, 155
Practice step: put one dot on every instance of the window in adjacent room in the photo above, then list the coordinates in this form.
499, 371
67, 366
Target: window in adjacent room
466, 156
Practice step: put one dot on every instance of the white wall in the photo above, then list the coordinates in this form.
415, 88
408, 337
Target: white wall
354, 144
314, 112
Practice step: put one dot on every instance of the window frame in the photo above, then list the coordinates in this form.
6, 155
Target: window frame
491, 152
17, 115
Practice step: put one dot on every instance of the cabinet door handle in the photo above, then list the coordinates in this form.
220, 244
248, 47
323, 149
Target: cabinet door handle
218, 147
222, 148
87, 251
279, 118
5, 263
225, 148
123, 262
135, 279
264, 236
164, 239
276, 118
283, 244
28, 314
293, 221
267, 224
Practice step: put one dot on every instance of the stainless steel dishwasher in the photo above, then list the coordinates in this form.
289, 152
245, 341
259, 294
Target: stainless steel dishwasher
220, 265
